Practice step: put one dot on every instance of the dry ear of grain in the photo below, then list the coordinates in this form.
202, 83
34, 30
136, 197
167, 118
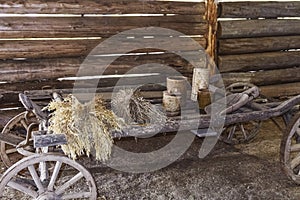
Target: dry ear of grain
87, 126
133, 108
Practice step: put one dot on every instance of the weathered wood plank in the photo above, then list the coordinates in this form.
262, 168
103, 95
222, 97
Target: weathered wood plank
42, 97
45, 27
10, 49
281, 90
100, 7
48, 140
261, 44
259, 9
259, 61
258, 28
269, 77
52, 69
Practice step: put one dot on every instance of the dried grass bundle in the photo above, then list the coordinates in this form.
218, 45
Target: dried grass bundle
86, 126
133, 108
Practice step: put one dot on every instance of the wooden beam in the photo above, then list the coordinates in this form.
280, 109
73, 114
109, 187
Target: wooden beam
27, 70
269, 77
258, 28
259, 61
259, 9
281, 90
260, 44
100, 7
42, 97
77, 48
46, 27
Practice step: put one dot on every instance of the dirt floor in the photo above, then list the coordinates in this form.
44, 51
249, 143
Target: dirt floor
247, 171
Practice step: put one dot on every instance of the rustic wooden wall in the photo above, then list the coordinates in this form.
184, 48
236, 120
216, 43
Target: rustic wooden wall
43, 40
36, 50
259, 42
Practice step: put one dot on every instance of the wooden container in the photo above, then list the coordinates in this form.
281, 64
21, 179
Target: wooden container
177, 85
204, 98
171, 103
200, 81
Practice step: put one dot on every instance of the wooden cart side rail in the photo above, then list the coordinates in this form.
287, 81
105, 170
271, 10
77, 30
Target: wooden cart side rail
205, 120
174, 125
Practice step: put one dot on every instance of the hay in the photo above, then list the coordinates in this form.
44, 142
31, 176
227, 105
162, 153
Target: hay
133, 108
86, 126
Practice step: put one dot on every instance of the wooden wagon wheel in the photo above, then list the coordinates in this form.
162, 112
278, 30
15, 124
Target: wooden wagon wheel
16, 127
74, 183
240, 132
290, 149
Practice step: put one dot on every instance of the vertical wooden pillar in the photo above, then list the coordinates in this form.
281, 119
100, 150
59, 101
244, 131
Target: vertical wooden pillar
211, 15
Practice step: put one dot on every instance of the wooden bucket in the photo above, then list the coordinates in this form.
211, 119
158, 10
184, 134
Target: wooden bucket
177, 85
171, 103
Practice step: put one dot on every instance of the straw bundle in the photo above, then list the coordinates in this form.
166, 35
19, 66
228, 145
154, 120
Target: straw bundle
87, 126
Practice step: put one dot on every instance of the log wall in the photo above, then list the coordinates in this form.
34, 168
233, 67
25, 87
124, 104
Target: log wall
259, 42
44, 40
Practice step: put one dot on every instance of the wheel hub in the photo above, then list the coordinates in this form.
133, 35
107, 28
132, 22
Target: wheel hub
48, 196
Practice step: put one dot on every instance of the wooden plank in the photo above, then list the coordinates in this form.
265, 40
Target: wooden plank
52, 69
258, 28
45, 49
100, 7
45, 27
42, 97
10, 49
281, 90
48, 140
259, 61
254, 45
259, 9
269, 77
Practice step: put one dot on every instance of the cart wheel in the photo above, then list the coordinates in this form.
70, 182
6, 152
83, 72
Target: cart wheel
290, 149
69, 179
240, 132
17, 127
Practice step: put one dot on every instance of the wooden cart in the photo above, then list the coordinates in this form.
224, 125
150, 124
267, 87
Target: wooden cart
37, 169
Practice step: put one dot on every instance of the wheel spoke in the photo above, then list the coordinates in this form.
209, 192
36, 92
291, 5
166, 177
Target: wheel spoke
22, 189
68, 184
77, 195
36, 178
10, 151
24, 124
231, 133
54, 175
295, 148
295, 162
243, 131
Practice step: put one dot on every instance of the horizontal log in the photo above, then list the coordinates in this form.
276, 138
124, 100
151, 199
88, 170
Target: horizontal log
75, 48
258, 28
281, 90
45, 27
254, 45
42, 97
100, 7
269, 77
259, 61
52, 69
259, 9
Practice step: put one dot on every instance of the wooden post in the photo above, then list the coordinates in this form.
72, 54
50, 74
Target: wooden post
211, 16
